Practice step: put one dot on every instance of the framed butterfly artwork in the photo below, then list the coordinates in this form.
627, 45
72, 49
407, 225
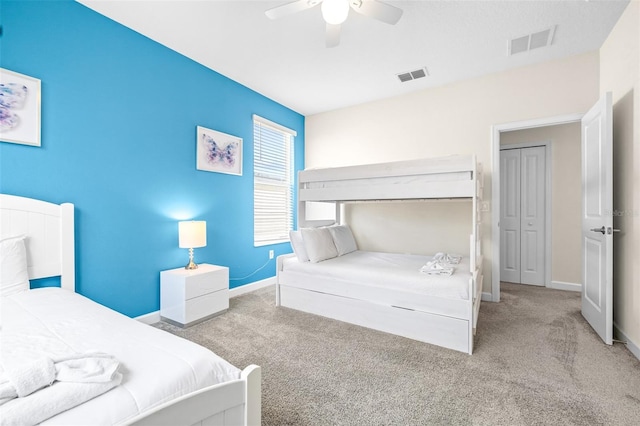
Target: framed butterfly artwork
218, 152
19, 108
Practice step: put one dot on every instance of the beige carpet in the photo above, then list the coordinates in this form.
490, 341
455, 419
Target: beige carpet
536, 362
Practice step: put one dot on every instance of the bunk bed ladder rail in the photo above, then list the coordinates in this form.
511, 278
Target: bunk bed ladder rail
475, 252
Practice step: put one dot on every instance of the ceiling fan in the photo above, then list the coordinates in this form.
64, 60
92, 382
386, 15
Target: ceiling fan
335, 12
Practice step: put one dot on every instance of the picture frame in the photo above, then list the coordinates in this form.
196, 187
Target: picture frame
218, 152
20, 105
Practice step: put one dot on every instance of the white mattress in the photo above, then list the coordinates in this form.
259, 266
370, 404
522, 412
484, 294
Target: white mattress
386, 278
157, 366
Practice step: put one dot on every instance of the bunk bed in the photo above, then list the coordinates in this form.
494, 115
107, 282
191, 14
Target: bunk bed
439, 310
160, 379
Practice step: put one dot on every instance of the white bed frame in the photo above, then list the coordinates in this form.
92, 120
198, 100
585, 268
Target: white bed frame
449, 323
50, 234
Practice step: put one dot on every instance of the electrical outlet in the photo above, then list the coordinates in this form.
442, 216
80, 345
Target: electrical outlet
270, 254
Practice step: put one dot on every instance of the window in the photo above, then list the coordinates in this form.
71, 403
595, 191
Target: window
272, 182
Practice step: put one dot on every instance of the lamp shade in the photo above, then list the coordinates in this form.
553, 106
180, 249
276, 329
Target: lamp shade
192, 234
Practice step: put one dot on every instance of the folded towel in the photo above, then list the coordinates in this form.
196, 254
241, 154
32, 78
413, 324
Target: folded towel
52, 400
84, 368
453, 259
448, 258
27, 377
7, 391
35, 391
436, 267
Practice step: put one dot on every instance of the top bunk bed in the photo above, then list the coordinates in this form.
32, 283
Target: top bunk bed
429, 178
456, 177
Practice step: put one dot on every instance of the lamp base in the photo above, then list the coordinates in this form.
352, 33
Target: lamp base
191, 264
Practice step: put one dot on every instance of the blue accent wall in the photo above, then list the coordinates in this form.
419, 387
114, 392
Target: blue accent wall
119, 117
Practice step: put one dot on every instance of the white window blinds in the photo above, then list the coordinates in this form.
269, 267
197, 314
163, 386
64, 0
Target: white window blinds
272, 182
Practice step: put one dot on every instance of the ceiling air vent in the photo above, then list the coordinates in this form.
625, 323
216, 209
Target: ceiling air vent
531, 41
413, 75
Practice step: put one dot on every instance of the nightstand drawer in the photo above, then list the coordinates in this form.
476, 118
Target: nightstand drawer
203, 306
205, 283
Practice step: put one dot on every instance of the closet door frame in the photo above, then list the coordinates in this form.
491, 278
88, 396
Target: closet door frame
495, 131
547, 202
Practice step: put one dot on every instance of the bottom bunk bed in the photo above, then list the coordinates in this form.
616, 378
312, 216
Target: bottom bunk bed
66, 360
386, 292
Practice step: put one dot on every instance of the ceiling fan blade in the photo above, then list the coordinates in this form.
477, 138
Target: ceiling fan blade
333, 35
291, 8
378, 10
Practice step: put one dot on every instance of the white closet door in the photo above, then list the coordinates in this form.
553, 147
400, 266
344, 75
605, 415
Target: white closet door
532, 217
522, 215
510, 215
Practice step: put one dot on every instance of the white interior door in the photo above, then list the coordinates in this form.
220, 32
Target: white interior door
532, 246
510, 215
522, 216
597, 218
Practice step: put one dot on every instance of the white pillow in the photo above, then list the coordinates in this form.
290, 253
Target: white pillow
14, 276
319, 244
297, 244
343, 239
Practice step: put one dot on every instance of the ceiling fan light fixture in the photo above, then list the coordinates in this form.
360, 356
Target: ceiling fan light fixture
335, 12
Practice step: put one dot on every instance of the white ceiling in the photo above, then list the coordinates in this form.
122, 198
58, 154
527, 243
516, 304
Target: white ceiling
287, 61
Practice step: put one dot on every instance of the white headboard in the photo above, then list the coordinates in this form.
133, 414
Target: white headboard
49, 229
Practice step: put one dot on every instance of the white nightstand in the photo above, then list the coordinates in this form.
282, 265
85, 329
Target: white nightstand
188, 297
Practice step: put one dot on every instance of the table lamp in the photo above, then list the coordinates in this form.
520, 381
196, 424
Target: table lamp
192, 234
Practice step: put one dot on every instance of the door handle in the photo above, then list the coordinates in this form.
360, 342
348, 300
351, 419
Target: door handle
605, 230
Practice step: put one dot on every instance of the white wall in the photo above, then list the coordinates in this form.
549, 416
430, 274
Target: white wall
376, 227
452, 119
566, 187
620, 74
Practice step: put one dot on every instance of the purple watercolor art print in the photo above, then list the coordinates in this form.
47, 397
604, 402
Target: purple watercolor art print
218, 152
19, 108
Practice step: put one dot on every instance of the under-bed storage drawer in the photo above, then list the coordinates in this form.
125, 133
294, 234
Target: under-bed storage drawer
452, 333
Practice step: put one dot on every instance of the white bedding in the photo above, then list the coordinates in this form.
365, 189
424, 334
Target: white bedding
386, 278
157, 366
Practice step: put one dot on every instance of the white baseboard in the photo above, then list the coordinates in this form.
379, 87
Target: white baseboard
631, 345
154, 317
150, 318
487, 297
248, 288
561, 285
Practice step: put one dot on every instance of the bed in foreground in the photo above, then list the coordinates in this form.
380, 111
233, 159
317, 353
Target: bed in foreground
143, 375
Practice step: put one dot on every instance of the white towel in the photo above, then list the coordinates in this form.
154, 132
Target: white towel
52, 400
447, 258
27, 377
84, 368
439, 256
436, 267
26, 397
